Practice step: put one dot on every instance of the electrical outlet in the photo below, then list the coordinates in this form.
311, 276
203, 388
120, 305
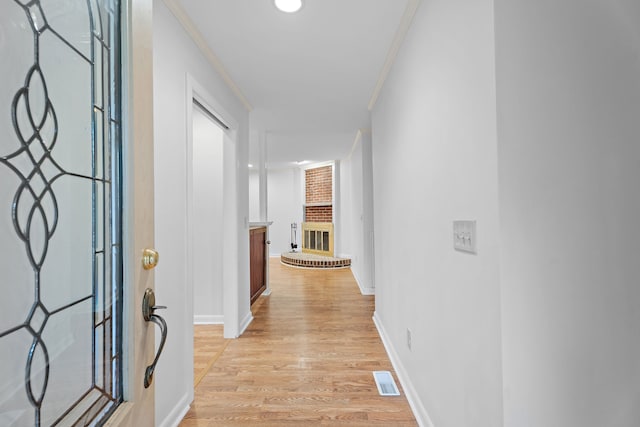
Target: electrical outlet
409, 338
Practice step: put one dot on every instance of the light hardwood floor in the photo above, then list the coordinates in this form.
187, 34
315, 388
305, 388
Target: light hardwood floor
209, 344
306, 359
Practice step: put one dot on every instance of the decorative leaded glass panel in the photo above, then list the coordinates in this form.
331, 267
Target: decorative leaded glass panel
60, 212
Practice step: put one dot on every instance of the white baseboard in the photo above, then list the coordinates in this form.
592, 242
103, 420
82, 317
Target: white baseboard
419, 411
363, 290
245, 322
177, 413
208, 319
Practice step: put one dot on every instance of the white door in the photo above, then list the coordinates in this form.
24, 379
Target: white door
76, 212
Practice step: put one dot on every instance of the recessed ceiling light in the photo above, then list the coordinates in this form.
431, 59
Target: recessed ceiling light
288, 6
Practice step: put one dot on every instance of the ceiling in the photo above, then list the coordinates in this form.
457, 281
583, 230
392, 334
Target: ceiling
307, 77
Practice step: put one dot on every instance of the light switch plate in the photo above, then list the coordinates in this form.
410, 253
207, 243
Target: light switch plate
464, 236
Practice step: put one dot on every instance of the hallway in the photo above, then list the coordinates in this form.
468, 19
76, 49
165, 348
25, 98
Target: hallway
306, 359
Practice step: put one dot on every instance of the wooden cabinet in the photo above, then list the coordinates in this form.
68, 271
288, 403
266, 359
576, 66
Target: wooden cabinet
258, 261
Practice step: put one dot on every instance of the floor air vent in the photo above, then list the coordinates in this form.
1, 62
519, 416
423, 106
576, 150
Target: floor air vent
385, 383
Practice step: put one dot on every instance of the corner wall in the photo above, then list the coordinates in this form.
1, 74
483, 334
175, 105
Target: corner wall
355, 227
435, 161
284, 207
568, 89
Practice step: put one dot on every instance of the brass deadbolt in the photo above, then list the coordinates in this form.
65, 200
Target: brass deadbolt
150, 259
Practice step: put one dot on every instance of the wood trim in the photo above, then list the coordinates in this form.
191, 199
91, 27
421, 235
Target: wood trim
318, 205
403, 29
258, 252
208, 320
138, 409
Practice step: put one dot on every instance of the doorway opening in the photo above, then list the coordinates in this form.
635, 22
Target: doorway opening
207, 215
212, 223
206, 171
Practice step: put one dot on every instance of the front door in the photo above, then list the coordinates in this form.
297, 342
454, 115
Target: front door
76, 210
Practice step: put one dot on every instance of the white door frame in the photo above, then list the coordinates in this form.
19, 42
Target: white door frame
230, 210
138, 336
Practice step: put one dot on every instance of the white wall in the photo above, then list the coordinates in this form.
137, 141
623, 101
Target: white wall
254, 196
366, 273
543, 331
352, 228
175, 55
345, 207
434, 161
207, 216
569, 155
284, 207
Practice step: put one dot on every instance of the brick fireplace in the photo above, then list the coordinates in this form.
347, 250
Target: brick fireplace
319, 194
317, 228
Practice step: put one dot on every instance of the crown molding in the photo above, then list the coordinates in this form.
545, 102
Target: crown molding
197, 37
403, 28
357, 140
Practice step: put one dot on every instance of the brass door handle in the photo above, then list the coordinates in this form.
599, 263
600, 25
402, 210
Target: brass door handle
148, 312
150, 259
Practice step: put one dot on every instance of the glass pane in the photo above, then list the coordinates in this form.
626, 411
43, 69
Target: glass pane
66, 274
60, 212
98, 298
15, 408
69, 341
70, 20
72, 107
14, 262
98, 73
312, 240
98, 169
325, 241
99, 337
18, 47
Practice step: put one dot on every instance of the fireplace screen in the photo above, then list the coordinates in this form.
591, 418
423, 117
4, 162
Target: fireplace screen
317, 238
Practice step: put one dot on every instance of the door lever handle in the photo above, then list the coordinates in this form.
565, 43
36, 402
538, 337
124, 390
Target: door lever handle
148, 313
